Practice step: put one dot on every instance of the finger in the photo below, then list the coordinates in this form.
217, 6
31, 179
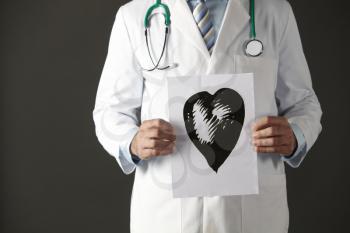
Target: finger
271, 131
158, 123
168, 149
153, 143
271, 141
265, 122
273, 149
160, 134
149, 153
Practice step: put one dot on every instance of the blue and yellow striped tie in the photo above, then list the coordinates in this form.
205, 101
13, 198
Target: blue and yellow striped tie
205, 24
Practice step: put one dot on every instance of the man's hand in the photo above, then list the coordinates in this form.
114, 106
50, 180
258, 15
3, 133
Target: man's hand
273, 135
154, 138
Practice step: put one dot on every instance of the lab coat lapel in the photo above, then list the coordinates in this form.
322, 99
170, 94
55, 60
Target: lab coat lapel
183, 20
235, 19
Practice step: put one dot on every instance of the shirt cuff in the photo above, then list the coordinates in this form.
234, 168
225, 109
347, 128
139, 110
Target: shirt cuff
125, 149
297, 157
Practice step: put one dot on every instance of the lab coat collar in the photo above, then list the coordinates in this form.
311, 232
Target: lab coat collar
235, 18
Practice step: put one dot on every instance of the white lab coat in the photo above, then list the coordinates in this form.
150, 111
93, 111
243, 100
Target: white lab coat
128, 95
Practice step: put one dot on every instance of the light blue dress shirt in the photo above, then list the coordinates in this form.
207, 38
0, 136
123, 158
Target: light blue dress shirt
217, 10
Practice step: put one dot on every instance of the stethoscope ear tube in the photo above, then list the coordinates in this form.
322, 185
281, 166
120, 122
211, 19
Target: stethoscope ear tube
156, 64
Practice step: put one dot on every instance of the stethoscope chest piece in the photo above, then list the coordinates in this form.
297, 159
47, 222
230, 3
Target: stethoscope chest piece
253, 48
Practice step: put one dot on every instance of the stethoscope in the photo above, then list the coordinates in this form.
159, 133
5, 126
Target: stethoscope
166, 13
252, 47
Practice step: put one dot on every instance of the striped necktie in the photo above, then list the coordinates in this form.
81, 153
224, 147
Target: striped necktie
205, 24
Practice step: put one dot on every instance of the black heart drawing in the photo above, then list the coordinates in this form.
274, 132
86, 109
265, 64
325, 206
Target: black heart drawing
214, 123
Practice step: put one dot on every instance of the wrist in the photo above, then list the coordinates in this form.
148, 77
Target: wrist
134, 157
131, 149
295, 148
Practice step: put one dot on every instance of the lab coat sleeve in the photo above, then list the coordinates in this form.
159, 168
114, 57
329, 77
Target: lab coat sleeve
294, 160
119, 96
295, 96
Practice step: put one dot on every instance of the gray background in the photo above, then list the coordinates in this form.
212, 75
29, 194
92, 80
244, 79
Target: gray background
55, 177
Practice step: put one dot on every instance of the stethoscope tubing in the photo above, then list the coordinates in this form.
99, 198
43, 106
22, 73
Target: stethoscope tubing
252, 33
252, 19
156, 64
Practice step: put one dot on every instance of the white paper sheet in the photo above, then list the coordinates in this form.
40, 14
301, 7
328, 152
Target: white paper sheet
208, 127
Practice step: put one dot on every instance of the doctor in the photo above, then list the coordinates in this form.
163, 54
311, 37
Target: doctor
205, 37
